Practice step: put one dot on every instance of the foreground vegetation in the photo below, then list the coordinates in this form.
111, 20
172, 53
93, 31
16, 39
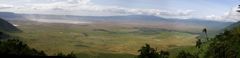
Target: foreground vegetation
223, 45
12, 46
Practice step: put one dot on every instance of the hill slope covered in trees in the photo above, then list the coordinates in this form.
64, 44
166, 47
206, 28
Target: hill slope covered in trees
6, 26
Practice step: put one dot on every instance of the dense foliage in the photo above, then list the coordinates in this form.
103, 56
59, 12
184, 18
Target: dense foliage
184, 54
18, 48
148, 52
10, 45
71, 55
225, 45
6, 26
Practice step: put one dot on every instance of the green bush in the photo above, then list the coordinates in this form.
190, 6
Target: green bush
225, 45
10, 45
71, 55
17, 47
148, 52
184, 54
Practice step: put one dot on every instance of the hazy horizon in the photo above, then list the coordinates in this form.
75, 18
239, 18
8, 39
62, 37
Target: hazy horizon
216, 10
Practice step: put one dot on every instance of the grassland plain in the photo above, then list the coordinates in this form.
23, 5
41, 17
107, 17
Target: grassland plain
100, 41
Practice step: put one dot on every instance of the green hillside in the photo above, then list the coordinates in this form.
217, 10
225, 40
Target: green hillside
8, 27
223, 45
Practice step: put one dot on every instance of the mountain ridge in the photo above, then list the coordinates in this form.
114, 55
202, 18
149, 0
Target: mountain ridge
7, 27
136, 19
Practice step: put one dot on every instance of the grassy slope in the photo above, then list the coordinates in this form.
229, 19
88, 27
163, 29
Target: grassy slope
98, 41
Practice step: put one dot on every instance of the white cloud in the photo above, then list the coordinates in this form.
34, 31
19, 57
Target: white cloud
60, 21
86, 8
229, 16
5, 6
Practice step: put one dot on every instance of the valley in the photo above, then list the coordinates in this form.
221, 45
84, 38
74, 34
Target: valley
98, 38
120, 28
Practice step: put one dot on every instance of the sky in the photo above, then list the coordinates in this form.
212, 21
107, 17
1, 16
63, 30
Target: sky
217, 10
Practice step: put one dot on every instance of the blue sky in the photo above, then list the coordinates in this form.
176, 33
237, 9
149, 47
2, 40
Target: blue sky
201, 7
206, 9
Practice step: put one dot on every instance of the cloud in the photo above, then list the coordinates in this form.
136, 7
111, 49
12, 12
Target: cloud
5, 6
229, 16
87, 8
60, 21
233, 14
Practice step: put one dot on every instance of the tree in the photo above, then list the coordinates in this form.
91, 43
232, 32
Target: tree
148, 52
205, 32
71, 55
198, 43
164, 54
221, 50
12, 46
238, 9
18, 48
225, 45
3, 35
184, 54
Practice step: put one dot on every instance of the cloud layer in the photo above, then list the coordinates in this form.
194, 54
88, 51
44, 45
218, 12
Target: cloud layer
85, 8
229, 16
88, 8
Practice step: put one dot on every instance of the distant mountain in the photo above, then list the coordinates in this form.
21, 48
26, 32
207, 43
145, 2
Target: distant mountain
11, 16
189, 25
232, 26
7, 27
8, 15
128, 19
